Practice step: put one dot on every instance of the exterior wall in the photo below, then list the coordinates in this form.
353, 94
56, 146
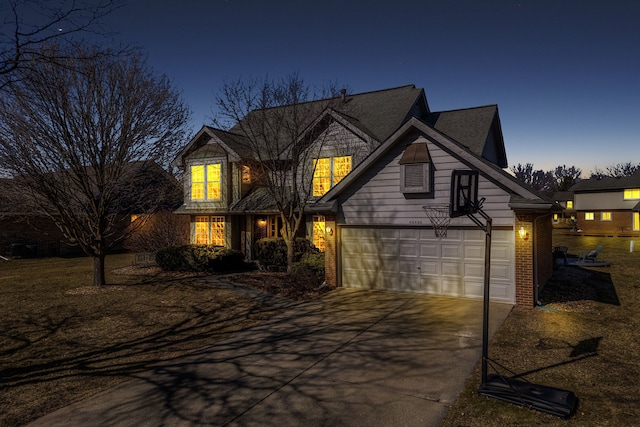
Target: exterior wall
603, 201
534, 258
621, 223
376, 199
524, 261
330, 252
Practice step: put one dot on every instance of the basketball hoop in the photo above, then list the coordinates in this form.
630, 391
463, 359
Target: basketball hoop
440, 218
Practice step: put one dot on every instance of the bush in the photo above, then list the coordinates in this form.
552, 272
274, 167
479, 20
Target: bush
200, 258
311, 266
272, 252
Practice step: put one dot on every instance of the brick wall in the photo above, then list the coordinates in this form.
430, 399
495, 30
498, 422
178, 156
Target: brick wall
525, 277
330, 252
621, 223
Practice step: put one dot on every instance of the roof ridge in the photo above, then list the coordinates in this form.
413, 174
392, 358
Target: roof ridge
465, 109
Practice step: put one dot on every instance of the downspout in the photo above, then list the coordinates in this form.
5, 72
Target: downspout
536, 284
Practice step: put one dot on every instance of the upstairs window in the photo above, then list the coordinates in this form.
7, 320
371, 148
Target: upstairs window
328, 171
205, 182
569, 204
415, 169
632, 193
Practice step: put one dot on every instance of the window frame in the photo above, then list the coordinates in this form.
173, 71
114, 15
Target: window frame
635, 220
328, 174
424, 187
631, 194
214, 235
606, 216
589, 216
318, 224
569, 204
207, 182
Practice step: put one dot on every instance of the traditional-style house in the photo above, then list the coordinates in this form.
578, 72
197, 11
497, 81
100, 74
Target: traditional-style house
385, 155
608, 206
566, 217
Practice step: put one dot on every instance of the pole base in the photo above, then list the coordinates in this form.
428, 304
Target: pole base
554, 401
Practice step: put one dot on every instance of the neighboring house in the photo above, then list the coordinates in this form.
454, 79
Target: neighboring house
25, 232
366, 211
566, 218
608, 206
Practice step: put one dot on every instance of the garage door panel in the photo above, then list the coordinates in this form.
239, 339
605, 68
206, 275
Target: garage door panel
451, 251
413, 260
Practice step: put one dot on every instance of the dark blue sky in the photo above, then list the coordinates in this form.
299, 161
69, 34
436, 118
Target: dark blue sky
564, 73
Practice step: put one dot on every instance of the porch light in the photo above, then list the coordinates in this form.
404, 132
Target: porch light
329, 231
262, 222
523, 234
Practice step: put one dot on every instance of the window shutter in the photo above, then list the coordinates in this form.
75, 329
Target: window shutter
414, 175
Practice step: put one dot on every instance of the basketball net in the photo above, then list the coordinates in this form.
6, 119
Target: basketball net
440, 219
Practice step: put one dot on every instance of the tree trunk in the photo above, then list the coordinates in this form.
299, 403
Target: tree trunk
290, 253
98, 270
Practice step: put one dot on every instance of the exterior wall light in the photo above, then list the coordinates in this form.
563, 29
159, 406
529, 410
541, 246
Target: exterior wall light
523, 234
262, 222
329, 231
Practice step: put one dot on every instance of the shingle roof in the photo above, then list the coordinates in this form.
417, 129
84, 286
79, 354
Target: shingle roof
469, 126
607, 183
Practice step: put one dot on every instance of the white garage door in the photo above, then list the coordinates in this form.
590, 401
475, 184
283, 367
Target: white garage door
413, 260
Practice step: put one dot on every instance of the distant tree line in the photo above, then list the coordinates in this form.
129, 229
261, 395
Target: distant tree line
563, 177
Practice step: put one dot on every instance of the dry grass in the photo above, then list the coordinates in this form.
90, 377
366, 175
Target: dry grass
586, 339
62, 340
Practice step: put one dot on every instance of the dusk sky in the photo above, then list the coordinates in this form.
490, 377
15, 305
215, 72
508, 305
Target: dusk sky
564, 73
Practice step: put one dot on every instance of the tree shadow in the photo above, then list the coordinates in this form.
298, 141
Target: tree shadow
573, 283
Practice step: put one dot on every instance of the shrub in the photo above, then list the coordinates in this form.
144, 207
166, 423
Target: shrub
200, 258
311, 266
272, 252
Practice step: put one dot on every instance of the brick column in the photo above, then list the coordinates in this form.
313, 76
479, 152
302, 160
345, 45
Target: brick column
330, 251
524, 260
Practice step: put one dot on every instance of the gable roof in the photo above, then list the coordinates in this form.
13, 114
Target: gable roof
523, 196
471, 127
606, 184
378, 114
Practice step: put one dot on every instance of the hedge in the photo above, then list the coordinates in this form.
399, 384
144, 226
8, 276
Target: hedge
272, 252
200, 258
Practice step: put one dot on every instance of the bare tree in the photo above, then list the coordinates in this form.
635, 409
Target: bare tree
29, 24
617, 170
539, 180
161, 230
565, 177
272, 117
83, 137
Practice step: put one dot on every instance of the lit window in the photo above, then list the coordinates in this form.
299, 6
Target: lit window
605, 216
588, 216
318, 232
632, 193
206, 177
328, 172
636, 220
555, 217
209, 230
246, 175
569, 204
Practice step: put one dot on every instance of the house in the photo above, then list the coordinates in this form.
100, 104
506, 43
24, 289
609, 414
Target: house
566, 218
386, 157
26, 231
608, 206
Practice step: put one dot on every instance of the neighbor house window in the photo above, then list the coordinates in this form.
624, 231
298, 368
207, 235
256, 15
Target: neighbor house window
632, 193
605, 216
209, 230
318, 232
329, 171
569, 204
555, 217
588, 216
636, 220
205, 182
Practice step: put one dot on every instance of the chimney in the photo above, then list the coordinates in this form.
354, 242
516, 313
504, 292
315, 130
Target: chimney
343, 91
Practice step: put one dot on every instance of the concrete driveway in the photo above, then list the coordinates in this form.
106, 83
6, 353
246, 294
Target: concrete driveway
350, 358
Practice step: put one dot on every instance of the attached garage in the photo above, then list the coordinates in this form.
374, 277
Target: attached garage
414, 260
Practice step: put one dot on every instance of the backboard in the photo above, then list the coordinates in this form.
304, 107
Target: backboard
464, 192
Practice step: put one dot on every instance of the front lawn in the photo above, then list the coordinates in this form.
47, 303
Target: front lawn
62, 341
586, 338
